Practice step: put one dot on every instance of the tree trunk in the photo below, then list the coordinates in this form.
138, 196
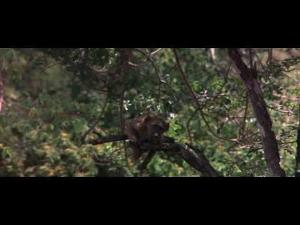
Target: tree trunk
270, 145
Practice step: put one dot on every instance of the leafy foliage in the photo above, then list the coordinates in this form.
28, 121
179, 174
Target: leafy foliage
53, 97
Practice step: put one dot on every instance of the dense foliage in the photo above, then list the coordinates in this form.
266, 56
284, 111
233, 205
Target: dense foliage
52, 97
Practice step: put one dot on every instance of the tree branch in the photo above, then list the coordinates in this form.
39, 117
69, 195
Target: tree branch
194, 157
270, 145
103, 140
195, 99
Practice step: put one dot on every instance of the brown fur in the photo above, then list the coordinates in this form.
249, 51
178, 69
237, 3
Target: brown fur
147, 128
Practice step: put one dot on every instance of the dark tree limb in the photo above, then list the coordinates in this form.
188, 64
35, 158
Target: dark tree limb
123, 69
194, 157
92, 128
270, 145
103, 140
199, 160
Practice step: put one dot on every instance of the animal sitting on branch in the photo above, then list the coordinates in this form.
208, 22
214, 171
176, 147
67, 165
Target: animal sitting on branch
146, 129
145, 135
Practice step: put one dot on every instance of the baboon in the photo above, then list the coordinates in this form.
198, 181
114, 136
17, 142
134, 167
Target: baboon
145, 129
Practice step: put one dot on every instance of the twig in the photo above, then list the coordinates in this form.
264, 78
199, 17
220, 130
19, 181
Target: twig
188, 125
245, 117
96, 122
194, 97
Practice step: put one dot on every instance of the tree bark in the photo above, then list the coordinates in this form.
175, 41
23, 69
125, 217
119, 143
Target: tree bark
270, 145
194, 157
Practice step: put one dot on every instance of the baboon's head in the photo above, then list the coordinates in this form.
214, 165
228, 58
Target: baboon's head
155, 126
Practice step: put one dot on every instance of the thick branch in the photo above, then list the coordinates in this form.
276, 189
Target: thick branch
112, 138
188, 153
198, 160
249, 77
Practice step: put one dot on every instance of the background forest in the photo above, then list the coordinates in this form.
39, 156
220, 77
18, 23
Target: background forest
231, 112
